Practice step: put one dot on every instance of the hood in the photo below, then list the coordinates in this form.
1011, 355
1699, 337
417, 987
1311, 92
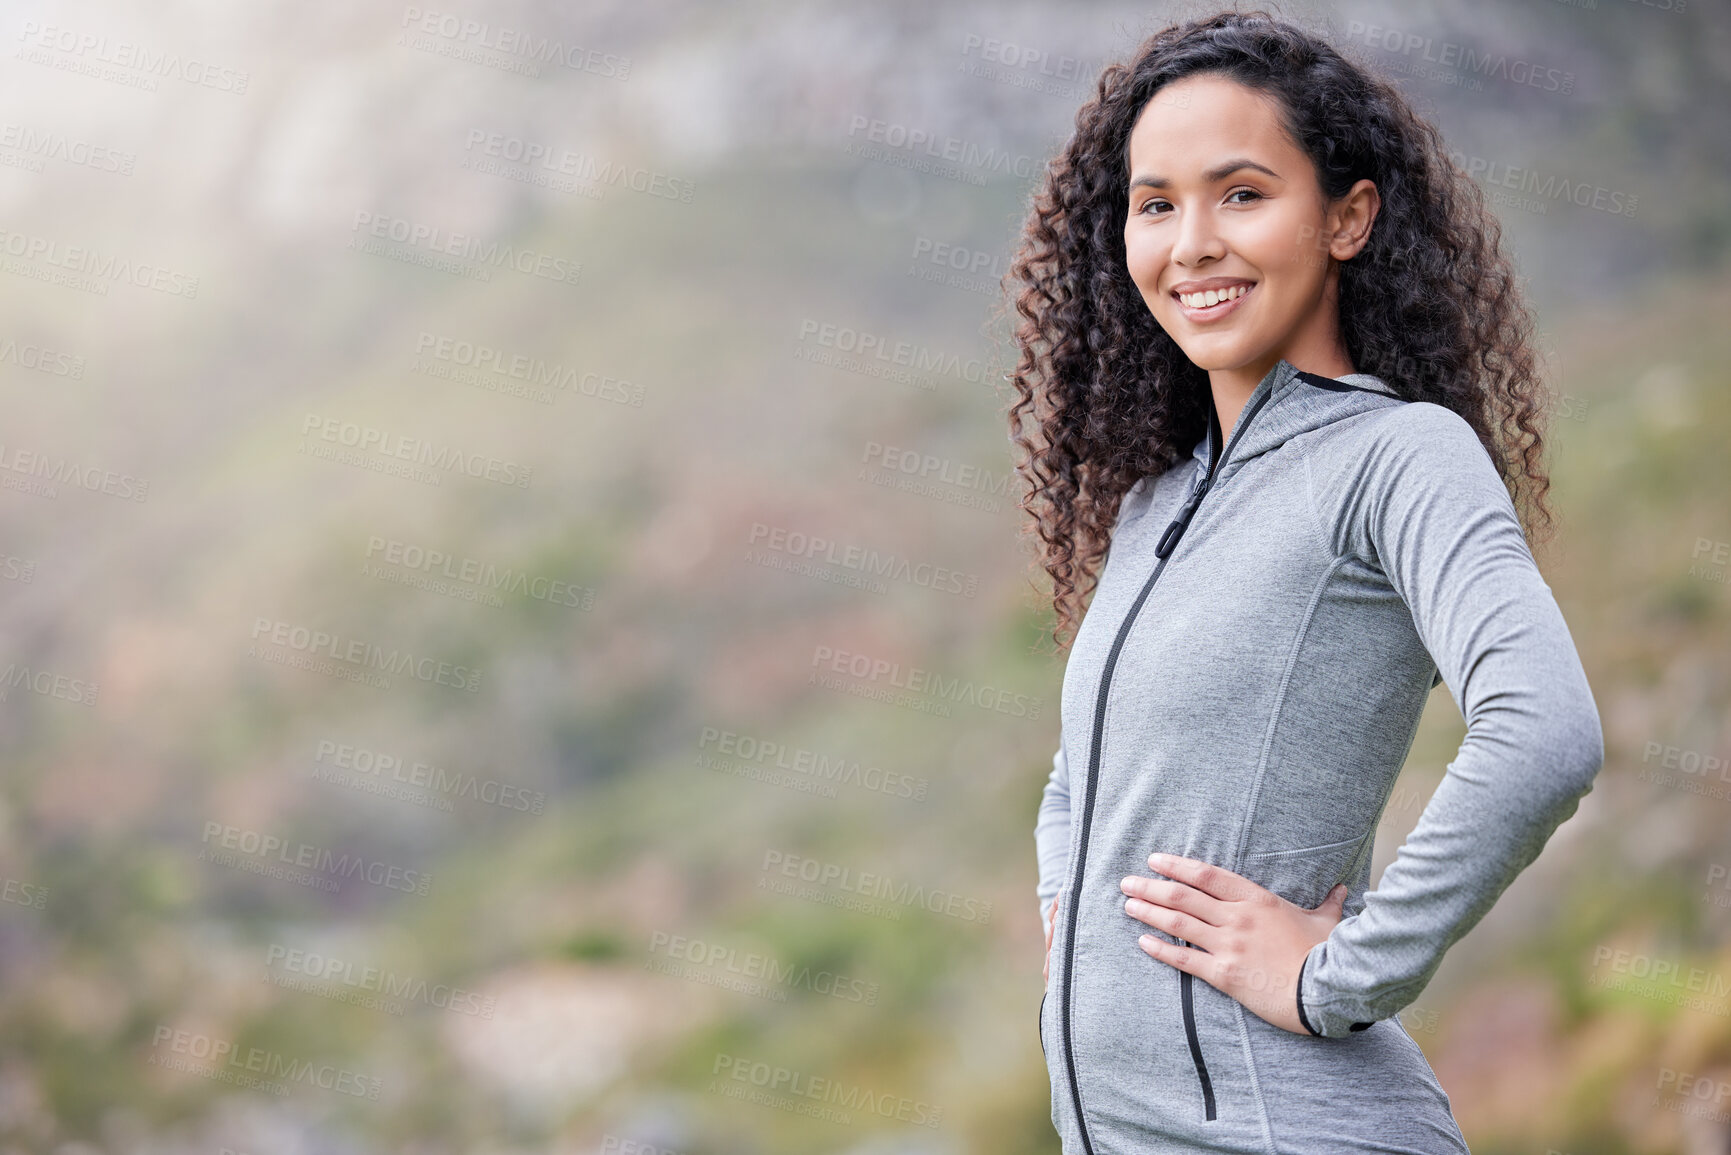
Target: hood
1284, 404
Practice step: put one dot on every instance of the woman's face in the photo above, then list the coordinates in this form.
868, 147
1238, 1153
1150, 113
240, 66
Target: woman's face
1223, 202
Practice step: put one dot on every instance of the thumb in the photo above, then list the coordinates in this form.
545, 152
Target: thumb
1336, 897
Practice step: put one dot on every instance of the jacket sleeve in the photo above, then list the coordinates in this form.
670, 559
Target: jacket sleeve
1428, 508
1052, 832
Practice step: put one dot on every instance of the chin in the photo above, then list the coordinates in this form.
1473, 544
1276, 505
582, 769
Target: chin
1212, 353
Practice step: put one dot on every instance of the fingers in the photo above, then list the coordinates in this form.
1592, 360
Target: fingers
1200, 963
1146, 896
1204, 876
1176, 923
1334, 899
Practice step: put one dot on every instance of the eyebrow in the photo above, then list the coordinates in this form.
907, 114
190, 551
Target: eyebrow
1218, 172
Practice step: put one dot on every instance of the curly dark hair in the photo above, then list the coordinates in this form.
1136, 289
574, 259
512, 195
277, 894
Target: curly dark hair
1430, 304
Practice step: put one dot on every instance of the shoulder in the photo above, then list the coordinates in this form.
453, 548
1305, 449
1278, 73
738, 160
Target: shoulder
1135, 501
1151, 488
1421, 439
1398, 464
1424, 463
1424, 420
1415, 435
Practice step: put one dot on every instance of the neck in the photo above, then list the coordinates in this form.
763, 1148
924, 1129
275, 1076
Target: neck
1232, 388
1315, 347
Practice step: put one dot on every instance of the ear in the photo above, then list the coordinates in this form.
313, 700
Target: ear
1350, 218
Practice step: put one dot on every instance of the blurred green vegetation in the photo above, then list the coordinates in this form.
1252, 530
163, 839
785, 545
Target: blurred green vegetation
572, 927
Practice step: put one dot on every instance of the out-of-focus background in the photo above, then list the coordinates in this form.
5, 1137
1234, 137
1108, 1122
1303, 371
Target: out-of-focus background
515, 631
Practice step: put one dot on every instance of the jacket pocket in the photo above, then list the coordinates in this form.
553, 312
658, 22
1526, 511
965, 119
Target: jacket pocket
1320, 849
1042, 1021
1305, 875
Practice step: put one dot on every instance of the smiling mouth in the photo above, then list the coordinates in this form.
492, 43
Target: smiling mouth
1213, 298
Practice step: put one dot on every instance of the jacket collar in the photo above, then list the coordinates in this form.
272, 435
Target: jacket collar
1286, 403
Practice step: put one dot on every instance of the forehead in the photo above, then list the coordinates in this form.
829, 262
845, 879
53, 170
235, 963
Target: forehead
1193, 122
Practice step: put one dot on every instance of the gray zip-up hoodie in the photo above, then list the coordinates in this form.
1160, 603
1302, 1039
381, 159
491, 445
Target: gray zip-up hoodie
1246, 695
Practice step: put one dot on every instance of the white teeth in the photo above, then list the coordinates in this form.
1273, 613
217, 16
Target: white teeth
1212, 296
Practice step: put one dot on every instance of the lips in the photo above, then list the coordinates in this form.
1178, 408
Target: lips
1205, 298
1211, 300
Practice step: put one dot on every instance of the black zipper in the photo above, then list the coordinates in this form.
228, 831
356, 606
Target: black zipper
1184, 978
1168, 542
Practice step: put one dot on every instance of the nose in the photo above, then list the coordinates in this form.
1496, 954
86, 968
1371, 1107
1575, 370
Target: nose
1198, 238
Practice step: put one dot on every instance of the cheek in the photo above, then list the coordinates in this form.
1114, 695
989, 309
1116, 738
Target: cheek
1144, 258
1283, 247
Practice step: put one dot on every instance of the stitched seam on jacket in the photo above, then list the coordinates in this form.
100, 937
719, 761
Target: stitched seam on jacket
1250, 814
1255, 1082
1310, 504
1351, 421
1319, 847
1274, 715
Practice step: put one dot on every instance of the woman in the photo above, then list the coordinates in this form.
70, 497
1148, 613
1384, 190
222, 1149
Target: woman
1281, 380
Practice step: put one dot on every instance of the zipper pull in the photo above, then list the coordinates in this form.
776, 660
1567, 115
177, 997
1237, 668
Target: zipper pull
1169, 539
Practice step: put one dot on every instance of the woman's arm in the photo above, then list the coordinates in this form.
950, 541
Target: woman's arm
1052, 832
1052, 824
1427, 506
